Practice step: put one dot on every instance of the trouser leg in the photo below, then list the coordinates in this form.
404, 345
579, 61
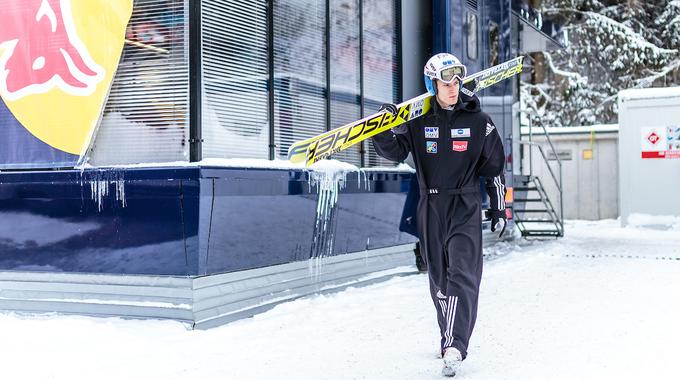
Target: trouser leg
464, 273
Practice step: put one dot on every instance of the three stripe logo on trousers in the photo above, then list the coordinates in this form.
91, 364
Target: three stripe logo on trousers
450, 316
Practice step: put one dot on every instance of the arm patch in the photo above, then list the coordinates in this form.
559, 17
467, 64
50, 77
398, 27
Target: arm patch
489, 128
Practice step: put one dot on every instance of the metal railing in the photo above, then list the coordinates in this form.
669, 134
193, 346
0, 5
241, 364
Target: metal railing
558, 183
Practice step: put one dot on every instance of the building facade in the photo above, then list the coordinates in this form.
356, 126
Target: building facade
182, 173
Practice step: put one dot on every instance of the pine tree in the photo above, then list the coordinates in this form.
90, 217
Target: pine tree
612, 45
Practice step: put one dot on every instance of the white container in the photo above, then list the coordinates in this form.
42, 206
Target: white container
649, 154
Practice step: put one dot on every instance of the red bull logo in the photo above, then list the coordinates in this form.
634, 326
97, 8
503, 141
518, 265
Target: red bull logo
59, 57
43, 51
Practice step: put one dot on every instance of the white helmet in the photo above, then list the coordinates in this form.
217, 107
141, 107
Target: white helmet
444, 67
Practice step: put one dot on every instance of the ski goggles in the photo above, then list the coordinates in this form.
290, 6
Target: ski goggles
448, 74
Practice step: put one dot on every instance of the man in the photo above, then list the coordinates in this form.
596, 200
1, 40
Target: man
453, 146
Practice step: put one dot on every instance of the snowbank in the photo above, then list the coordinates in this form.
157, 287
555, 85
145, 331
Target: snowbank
601, 303
663, 222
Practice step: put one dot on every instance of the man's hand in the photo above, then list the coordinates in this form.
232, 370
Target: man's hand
389, 107
393, 110
498, 220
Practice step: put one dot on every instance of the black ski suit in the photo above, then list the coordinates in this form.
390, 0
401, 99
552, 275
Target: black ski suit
452, 149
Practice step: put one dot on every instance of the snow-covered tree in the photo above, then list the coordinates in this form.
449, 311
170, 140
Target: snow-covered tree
612, 45
669, 24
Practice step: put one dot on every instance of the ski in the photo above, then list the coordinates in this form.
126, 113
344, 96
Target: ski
325, 144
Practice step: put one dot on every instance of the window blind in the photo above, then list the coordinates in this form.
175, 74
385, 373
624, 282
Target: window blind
299, 71
146, 115
235, 115
380, 63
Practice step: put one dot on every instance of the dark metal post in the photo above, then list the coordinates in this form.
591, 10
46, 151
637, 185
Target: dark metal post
362, 105
270, 85
328, 65
400, 66
195, 85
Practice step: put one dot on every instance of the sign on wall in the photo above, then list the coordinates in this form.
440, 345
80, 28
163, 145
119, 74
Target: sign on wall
57, 61
660, 142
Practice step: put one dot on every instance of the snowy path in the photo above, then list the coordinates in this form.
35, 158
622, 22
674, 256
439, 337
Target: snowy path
548, 310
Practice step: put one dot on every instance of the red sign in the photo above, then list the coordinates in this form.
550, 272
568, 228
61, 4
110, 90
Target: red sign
460, 146
653, 138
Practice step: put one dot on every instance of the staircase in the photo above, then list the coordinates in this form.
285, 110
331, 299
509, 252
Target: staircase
534, 213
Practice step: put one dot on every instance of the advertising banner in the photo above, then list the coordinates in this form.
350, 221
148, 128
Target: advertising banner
57, 62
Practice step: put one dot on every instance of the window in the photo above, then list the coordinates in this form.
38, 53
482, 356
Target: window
299, 71
146, 114
235, 117
471, 35
380, 63
345, 70
311, 70
494, 44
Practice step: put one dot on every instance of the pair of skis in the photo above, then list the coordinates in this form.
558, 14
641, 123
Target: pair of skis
324, 145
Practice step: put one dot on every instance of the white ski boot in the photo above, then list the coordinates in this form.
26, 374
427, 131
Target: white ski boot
452, 362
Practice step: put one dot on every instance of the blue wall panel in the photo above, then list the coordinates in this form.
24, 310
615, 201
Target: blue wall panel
187, 221
50, 221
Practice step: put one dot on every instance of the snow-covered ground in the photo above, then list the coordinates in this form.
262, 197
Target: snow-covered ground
601, 303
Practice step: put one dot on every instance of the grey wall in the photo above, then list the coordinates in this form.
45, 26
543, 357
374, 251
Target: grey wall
648, 186
590, 187
416, 48
201, 302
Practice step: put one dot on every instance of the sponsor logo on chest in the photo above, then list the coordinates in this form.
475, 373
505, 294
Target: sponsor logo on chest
460, 146
460, 132
431, 146
431, 132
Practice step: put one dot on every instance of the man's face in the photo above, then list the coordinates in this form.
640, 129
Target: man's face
447, 93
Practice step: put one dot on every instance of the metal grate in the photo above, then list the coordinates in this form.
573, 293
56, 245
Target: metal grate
146, 115
235, 73
472, 4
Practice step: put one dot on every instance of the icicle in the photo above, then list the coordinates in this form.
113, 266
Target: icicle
99, 187
98, 190
120, 192
328, 184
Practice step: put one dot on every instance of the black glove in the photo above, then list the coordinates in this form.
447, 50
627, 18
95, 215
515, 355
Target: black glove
498, 220
389, 107
393, 110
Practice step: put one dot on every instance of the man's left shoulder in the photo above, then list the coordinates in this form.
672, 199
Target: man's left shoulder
480, 120
484, 123
484, 117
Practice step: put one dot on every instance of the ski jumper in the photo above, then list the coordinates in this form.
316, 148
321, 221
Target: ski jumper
452, 148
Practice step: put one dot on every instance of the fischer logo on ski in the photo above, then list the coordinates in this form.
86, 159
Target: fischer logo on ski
326, 144
343, 137
500, 72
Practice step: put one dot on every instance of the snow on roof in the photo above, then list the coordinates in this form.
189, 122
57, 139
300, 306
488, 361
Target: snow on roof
649, 93
598, 128
330, 166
